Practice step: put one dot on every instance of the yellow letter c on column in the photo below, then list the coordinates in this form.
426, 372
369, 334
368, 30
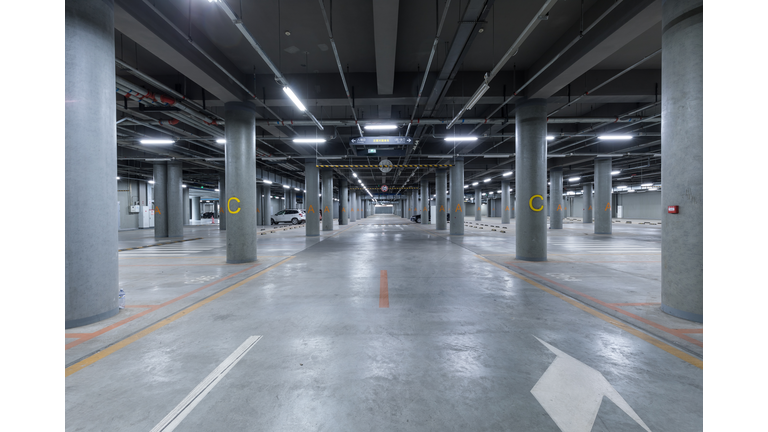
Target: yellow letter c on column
229, 201
530, 203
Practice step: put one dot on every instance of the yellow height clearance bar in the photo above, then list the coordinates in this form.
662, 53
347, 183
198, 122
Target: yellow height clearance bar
380, 166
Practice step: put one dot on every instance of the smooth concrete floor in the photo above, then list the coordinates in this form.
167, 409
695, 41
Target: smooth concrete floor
471, 340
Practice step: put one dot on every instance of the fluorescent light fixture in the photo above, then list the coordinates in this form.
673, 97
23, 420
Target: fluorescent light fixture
615, 172
550, 137
354, 174
498, 191
466, 186
462, 139
653, 188
267, 181
615, 137
151, 182
621, 187
573, 179
293, 97
309, 140
157, 141
118, 178
630, 191
478, 94
475, 184
298, 189
183, 185
282, 198
486, 180
215, 190
570, 193
380, 127
286, 186
507, 174
221, 141
305, 191
646, 184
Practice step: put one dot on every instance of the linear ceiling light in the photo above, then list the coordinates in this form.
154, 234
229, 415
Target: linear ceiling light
646, 184
221, 141
267, 181
466, 186
573, 179
157, 141
486, 180
293, 97
297, 189
381, 127
615, 172
507, 174
286, 186
550, 137
475, 184
309, 140
615, 137
462, 139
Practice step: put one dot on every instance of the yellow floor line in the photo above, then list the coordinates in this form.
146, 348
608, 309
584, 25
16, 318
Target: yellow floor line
651, 340
133, 338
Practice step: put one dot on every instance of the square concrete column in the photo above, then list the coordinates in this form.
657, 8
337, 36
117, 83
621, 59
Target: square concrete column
195, 209
90, 164
478, 203
603, 192
160, 177
556, 212
682, 155
505, 207
174, 201
185, 201
312, 197
352, 200
222, 194
531, 180
587, 200
441, 205
457, 197
240, 170
425, 201
327, 199
343, 202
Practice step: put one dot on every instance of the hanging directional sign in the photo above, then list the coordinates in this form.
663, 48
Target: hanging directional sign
384, 188
382, 140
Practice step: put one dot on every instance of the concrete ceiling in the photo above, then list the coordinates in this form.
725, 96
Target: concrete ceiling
384, 47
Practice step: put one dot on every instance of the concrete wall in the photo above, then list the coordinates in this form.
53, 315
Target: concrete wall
127, 194
641, 205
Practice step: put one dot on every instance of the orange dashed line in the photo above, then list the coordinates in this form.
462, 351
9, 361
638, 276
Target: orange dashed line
617, 309
76, 335
383, 290
634, 304
150, 308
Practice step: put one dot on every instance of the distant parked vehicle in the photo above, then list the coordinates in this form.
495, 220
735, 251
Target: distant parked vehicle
417, 218
208, 215
291, 216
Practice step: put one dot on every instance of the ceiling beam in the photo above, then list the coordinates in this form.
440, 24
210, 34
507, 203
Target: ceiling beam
385, 39
626, 22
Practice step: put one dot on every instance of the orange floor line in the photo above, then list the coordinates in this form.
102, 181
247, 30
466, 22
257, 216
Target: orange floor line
383, 290
634, 304
617, 309
90, 336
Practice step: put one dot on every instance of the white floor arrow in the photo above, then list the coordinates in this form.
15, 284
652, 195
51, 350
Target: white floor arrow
571, 393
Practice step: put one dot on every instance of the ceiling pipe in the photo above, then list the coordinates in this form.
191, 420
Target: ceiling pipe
435, 121
279, 77
504, 59
164, 100
429, 63
587, 93
211, 59
338, 64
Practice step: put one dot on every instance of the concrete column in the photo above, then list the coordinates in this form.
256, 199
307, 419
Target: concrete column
352, 200
586, 216
195, 209
682, 152
267, 191
425, 201
556, 212
478, 203
90, 164
505, 205
457, 197
160, 176
312, 179
343, 202
513, 202
173, 198
185, 201
240, 171
531, 180
441, 206
360, 204
327, 200
603, 191
223, 204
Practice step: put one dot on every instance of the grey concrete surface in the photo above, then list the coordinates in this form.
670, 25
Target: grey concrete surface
441, 204
352, 203
312, 198
90, 161
343, 202
160, 198
222, 195
327, 199
425, 203
240, 163
556, 211
478, 202
195, 208
587, 211
456, 349
682, 167
175, 219
457, 192
186, 204
531, 180
505, 202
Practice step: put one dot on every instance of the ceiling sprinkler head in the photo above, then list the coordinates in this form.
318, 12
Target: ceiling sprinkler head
287, 33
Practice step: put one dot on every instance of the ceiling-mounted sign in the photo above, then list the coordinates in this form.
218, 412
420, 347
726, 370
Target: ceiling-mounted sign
382, 140
384, 188
371, 150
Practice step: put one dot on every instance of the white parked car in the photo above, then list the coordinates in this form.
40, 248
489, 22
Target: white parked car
291, 216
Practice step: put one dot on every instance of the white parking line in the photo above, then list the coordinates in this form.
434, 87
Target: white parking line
178, 414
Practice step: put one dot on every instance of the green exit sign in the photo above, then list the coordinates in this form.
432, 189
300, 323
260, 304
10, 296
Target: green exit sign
371, 150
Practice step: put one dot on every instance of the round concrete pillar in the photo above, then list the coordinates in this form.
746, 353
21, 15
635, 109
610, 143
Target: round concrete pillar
587, 201
174, 204
327, 200
312, 197
441, 205
457, 197
505, 205
531, 180
603, 192
556, 198
160, 177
